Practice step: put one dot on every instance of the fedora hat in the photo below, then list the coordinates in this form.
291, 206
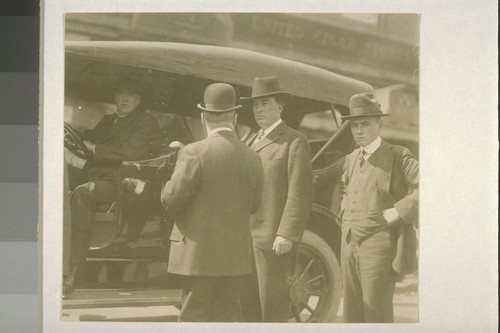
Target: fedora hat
219, 97
267, 87
364, 105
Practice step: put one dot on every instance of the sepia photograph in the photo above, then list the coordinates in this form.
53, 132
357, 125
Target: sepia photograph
241, 167
303, 166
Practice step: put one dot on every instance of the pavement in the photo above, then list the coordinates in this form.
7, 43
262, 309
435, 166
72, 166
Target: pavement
405, 309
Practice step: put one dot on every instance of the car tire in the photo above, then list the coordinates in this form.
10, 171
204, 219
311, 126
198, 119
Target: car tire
315, 283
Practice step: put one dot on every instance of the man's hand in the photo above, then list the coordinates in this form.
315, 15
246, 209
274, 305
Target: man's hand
134, 185
176, 144
391, 215
90, 146
282, 245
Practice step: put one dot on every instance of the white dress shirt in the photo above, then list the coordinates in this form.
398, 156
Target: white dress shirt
371, 147
266, 131
218, 129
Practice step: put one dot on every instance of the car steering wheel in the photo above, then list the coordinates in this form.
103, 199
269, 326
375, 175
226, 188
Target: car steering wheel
74, 143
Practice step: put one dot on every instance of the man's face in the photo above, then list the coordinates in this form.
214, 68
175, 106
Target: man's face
126, 102
365, 130
266, 111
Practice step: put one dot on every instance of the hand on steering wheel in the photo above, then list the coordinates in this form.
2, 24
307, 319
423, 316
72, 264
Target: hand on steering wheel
74, 143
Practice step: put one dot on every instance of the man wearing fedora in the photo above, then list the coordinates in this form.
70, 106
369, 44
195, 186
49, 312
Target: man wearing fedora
216, 185
286, 203
379, 209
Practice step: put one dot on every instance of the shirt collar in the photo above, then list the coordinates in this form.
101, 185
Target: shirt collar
273, 126
218, 129
372, 146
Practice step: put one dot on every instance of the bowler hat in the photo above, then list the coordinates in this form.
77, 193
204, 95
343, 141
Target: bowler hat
267, 87
219, 97
364, 105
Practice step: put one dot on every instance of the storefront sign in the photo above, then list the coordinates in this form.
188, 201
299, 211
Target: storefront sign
290, 32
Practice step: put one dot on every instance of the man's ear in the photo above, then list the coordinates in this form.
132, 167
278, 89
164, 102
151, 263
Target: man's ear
235, 119
202, 118
282, 107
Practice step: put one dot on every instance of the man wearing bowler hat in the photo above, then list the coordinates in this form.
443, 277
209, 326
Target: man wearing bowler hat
379, 210
286, 203
216, 185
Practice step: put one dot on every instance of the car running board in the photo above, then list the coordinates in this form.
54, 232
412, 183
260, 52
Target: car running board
112, 298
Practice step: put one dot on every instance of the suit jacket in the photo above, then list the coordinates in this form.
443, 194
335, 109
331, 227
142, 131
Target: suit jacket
121, 139
397, 181
288, 189
216, 185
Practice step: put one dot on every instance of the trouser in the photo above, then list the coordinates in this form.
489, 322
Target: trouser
210, 298
269, 282
84, 201
368, 278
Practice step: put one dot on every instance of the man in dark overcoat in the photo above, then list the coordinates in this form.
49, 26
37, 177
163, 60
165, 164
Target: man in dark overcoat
129, 134
216, 185
379, 210
286, 204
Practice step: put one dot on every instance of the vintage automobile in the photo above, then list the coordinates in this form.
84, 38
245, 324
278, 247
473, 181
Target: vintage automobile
176, 75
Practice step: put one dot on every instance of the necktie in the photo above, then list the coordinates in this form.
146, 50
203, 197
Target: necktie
362, 158
260, 135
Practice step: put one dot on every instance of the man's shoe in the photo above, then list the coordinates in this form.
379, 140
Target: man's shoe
69, 281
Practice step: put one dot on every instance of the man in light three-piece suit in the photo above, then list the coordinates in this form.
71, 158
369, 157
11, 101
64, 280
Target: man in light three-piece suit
216, 185
379, 211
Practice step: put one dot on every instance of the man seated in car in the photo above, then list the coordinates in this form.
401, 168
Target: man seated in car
129, 134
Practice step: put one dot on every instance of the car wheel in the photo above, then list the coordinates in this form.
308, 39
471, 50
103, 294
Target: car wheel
315, 284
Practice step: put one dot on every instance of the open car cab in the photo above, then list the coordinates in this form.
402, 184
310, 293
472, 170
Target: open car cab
175, 76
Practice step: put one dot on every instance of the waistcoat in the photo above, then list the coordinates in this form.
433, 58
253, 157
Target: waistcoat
363, 203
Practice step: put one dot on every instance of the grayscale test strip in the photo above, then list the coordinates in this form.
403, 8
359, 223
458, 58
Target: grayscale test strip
19, 66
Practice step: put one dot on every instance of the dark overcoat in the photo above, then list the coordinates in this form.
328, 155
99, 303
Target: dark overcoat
121, 139
288, 189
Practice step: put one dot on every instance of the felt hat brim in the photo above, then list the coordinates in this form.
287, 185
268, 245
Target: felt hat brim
365, 115
284, 94
202, 106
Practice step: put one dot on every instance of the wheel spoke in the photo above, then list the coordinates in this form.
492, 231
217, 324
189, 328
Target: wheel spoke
306, 306
315, 293
306, 269
296, 314
314, 279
